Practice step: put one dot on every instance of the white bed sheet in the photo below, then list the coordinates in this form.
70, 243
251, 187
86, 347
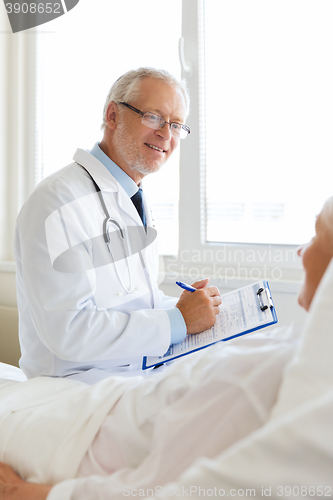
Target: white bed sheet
47, 424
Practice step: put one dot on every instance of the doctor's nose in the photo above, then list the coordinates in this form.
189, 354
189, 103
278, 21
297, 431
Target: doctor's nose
165, 131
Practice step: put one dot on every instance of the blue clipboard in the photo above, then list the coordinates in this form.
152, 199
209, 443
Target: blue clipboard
243, 311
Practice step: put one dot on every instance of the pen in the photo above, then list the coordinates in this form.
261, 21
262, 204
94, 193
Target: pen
189, 288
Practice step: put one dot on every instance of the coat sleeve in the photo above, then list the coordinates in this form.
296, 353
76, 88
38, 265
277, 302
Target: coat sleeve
59, 305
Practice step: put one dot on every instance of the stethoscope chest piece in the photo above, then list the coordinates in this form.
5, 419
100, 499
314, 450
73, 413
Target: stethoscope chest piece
106, 233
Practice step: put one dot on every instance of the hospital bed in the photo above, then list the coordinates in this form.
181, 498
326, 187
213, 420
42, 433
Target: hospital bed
273, 388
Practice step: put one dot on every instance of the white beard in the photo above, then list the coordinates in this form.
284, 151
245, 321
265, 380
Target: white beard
129, 151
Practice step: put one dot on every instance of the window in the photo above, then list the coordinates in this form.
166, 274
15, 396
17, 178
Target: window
269, 107
260, 153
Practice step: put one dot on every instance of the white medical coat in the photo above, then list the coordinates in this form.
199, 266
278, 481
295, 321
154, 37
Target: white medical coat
74, 314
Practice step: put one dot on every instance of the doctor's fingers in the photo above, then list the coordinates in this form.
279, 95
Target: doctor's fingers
216, 300
213, 291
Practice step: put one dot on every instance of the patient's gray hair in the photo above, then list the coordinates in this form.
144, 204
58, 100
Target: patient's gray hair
327, 219
127, 87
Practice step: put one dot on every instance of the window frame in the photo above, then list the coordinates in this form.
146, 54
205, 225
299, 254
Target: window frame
241, 262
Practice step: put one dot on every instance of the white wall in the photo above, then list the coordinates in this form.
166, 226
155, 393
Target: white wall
9, 346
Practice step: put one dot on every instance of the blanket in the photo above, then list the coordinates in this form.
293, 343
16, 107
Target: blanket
55, 429
47, 424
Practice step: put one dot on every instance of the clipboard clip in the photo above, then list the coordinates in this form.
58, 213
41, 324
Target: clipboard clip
265, 299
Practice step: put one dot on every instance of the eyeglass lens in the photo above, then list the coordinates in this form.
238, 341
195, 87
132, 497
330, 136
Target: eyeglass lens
157, 122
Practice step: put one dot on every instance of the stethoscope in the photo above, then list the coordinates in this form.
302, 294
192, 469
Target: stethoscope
106, 235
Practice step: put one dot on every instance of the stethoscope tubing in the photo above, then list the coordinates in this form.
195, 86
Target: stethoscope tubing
106, 235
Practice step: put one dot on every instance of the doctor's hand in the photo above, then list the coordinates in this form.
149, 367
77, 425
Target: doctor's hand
12, 487
199, 308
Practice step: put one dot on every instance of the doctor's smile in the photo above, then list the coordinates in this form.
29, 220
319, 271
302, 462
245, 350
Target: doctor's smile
156, 148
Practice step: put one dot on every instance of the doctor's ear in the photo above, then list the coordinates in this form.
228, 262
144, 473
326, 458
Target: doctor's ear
111, 115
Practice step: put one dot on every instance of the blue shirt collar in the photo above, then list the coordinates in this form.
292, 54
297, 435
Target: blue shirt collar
124, 180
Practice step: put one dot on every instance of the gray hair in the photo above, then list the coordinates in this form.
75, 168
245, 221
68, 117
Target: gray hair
326, 215
127, 87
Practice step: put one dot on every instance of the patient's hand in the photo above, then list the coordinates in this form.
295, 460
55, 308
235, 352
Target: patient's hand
200, 308
12, 487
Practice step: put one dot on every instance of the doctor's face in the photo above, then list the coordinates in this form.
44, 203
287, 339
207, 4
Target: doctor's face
315, 256
141, 150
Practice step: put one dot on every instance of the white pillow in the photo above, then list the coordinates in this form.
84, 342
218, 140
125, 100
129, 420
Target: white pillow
10, 372
310, 374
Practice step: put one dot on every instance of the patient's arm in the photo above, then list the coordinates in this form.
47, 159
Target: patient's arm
12, 487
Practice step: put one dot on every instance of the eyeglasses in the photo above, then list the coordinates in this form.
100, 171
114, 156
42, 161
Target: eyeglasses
156, 122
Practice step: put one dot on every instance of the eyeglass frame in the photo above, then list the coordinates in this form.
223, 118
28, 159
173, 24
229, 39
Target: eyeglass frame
142, 113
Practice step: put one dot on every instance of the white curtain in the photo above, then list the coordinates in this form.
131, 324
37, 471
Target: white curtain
17, 126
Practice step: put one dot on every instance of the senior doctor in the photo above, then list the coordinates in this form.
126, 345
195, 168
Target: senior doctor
86, 252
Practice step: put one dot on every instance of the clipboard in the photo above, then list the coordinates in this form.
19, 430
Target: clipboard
242, 311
